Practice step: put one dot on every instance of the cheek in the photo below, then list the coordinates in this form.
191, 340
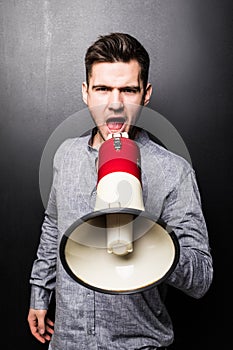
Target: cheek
99, 99
132, 110
133, 100
98, 113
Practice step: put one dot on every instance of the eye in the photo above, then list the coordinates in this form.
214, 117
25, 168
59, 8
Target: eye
101, 88
129, 90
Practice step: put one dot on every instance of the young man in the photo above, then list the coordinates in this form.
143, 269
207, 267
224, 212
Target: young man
117, 68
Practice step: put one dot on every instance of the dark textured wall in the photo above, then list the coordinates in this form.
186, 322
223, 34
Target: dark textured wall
42, 46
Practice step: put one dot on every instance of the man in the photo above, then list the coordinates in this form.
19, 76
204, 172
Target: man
117, 67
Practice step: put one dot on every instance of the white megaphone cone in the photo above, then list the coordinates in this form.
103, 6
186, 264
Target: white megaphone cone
119, 248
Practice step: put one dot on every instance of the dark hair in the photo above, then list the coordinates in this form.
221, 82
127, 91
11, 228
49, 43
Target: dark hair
117, 47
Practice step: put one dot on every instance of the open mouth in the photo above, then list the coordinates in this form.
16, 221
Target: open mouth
116, 124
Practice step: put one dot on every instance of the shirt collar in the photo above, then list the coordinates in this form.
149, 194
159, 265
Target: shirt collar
141, 138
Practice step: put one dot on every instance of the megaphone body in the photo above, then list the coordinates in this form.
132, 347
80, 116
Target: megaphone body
119, 248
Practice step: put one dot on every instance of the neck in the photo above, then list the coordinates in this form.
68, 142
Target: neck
97, 139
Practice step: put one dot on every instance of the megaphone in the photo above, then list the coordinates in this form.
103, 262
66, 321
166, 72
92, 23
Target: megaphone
119, 248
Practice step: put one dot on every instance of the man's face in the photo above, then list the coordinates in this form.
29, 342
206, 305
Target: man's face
116, 91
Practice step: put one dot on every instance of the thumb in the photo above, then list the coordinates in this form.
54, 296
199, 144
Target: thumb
41, 323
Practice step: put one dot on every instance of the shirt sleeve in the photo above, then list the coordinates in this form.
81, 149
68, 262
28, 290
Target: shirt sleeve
183, 212
43, 274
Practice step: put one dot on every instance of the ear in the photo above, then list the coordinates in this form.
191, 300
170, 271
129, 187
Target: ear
84, 92
147, 94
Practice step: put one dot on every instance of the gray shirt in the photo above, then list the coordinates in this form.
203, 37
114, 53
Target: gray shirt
90, 320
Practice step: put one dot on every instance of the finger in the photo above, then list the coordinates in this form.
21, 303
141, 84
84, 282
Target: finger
41, 323
47, 336
49, 322
49, 329
34, 331
37, 335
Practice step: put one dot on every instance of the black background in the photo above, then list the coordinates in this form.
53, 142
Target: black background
41, 70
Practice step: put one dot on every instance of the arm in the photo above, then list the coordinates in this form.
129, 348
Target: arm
43, 275
182, 211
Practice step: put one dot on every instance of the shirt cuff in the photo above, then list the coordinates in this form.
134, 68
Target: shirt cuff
40, 298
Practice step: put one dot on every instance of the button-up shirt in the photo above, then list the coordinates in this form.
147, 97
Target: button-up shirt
86, 319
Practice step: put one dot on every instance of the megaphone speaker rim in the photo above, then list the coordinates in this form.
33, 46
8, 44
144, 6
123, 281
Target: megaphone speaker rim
115, 291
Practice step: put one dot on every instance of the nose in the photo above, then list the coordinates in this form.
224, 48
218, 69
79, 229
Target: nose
116, 101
